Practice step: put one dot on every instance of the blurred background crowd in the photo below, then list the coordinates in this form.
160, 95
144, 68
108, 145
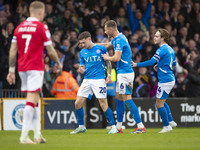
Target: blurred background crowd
137, 19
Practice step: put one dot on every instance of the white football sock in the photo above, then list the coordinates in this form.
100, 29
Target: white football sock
36, 123
119, 125
140, 125
27, 120
81, 126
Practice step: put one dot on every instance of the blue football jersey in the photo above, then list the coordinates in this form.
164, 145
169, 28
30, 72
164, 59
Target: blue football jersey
166, 59
93, 62
121, 44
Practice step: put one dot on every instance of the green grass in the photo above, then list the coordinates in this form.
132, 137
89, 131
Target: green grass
97, 139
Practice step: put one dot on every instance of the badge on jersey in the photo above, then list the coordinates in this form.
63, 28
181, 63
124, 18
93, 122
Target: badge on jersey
98, 51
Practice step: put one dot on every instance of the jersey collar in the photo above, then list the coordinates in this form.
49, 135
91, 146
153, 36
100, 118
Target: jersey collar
163, 44
32, 19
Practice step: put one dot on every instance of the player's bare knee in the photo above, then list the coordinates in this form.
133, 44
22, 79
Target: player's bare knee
103, 104
126, 97
159, 104
78, 105
119, 96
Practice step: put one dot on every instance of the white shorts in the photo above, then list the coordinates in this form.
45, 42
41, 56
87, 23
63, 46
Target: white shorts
31, 81
164, 89
93, 86
124, 83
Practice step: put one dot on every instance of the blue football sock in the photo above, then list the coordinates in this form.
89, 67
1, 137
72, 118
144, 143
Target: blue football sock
109, 115
163, 114
120, 110
168, 111
80, 116
134, 110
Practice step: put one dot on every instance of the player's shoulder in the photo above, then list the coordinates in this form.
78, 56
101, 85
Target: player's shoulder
100, 49
42, 25
121, 39
159, 51
100, 46
83, 50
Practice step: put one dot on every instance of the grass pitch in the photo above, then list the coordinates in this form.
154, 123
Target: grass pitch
97, 139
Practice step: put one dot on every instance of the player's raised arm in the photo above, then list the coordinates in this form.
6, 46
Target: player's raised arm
147, 63
105, 44
53, 55
12, 63
115, 58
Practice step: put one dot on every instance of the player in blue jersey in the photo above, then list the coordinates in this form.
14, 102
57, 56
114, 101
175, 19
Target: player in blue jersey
93, 67
165, 58
125, 76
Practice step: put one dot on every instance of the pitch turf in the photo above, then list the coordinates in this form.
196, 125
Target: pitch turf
97, 139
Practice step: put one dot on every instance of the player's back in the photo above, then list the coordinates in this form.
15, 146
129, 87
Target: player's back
165, 64
121, 44
93, 62
31, 36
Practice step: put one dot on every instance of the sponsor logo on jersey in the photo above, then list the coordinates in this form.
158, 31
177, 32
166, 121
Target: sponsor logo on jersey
17, 115
29, 23
93, 59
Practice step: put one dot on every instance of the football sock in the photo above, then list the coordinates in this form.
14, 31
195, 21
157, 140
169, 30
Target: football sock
120, 110
36, 123
27, 119
109, 115
119, 125
140, 125
163, 114
168, 112
134, 110
80, 116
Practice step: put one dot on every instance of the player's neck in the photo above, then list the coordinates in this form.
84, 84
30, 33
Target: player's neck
116, 33
163, 43
34, 16
91, 45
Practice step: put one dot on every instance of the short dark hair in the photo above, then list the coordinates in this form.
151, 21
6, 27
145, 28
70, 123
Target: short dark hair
111, 23
67, 68
164, 34
84, 35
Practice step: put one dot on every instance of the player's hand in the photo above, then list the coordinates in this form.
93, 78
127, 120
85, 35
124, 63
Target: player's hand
105, 56
108, 80
133, 64
58, 67
11, 78
81, 70
155, 68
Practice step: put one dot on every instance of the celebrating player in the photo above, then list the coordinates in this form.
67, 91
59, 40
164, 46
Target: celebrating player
93, 67
29, 40
125, 76
166, 60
